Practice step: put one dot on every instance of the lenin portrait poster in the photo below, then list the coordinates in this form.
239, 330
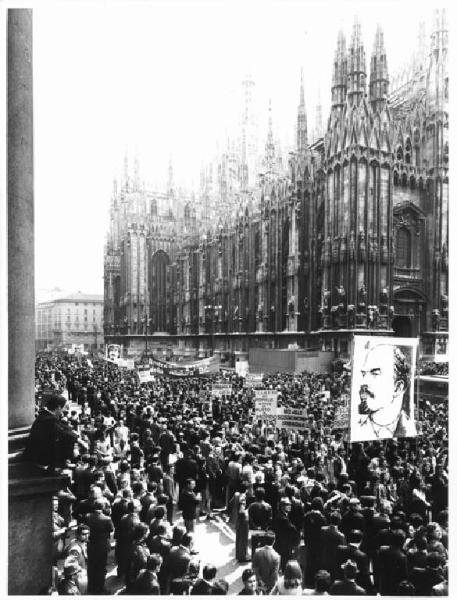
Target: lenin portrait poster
382, 388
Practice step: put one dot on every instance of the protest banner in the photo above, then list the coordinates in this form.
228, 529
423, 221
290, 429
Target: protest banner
221, 389
382, 388
295, 419
266, 404
145, 375
341, 419
112, 352
253, 380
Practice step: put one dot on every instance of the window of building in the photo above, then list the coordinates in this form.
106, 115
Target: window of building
403, 248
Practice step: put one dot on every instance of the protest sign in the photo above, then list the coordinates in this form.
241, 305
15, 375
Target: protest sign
145, 375
341, 420
221, 389
382, 388
266, 404
253, 380
292, 418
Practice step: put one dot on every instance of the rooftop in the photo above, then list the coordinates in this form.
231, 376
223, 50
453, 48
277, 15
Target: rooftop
77, 297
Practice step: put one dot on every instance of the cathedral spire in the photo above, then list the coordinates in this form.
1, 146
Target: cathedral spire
437, 95
270, 145
302, 127
356, 73
126, 171
136, 173
379, 78
243, 174
170, 184
318, 125
339, 77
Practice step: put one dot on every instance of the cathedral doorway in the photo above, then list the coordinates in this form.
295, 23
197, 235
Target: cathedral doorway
409, 312
402, 327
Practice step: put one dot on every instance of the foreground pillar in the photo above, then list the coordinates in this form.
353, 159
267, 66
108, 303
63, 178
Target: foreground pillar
21, 281
29, 493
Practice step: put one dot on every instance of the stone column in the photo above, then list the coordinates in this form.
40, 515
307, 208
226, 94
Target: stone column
30, 545
21, 281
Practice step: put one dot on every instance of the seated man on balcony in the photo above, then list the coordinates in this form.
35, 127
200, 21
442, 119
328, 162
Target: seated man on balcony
51, 440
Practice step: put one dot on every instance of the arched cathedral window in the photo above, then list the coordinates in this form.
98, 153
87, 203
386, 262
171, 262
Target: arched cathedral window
408, 152
403, 248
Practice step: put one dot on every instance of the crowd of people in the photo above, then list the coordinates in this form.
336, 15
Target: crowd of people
311, 513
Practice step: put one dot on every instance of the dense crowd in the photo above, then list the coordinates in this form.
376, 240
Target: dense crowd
311, 513
435, 368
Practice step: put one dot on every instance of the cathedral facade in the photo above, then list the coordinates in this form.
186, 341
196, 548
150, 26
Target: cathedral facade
351, 236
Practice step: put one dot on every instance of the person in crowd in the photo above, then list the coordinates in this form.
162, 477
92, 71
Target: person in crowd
322, 583
76, 550
259, 514
189, 502
68, 585
147, 582
241, 528
289, 584
100, 529
171, 489
51, 441
181, 586
347, 586
392, 564
205, 585
249, 579
331, 538
265, 563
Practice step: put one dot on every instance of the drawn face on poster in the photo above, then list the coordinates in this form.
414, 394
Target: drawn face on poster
113, 351
382, 394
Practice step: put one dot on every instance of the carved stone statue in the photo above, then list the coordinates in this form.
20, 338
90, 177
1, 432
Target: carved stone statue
391, 313
341, 295
435, 319
370, 314
444, 303
375, 317
334, 315
305, 306
260, 310
352, 245
291, 306
351, 315
362, 304
362, 247
326, 302
383, 301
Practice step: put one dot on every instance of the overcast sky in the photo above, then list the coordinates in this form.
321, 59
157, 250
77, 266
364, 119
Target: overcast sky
163, 80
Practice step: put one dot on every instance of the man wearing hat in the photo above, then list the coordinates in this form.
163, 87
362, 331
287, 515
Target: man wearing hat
76, 551
347, 586
68, 585
353, 518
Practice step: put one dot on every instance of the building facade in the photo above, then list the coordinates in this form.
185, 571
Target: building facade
72, 319
351, 236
